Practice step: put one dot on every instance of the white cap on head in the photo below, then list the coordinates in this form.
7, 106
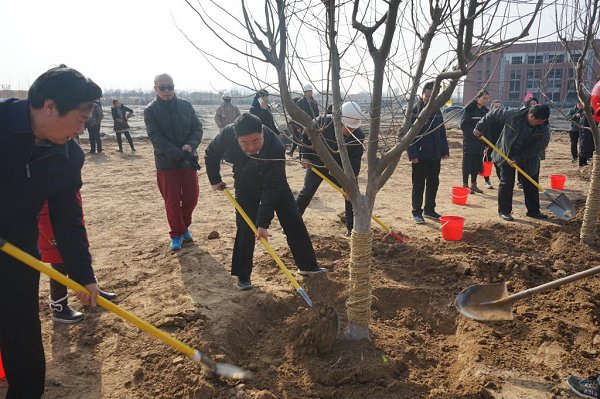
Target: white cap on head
307, 87
226, 94
351, 115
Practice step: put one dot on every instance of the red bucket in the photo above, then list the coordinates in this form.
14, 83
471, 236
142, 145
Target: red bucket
452, 227
557, 182
460, 194
2, 374
487, 169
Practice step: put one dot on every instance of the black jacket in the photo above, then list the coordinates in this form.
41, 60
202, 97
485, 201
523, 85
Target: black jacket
120, 122
32, 174
472, 145
265, 115
519, 141
171, 125
262, 175
431, 143
309, 106
353, 145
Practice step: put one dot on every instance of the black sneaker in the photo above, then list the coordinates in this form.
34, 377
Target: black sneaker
538, 215
109, 296
507, 216
432, 215
475, 189
310, 272
348, 233
243, 284
419, 219
585, 387
67, 315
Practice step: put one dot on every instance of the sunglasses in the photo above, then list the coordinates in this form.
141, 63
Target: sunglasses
166, 88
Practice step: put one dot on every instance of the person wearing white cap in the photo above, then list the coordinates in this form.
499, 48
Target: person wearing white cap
308, 105
353, 138
227, 112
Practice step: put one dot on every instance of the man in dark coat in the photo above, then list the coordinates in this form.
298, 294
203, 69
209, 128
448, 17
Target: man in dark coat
524, 139
425, 155
261, 188
574, 116
175, 131
93, 127
261, 108
40, 161
353, 138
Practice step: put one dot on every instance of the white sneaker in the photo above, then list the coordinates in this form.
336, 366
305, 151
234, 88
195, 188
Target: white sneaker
488, 185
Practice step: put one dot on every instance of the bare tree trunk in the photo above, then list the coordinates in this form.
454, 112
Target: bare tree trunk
592, 205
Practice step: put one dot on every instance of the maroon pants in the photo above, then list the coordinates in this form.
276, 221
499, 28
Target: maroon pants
179, 189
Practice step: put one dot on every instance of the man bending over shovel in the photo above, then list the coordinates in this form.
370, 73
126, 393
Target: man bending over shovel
261, 188
523, 139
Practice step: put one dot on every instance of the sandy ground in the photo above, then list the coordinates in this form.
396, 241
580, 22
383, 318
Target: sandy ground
420, 346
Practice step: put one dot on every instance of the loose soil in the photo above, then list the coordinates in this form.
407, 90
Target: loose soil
420, 347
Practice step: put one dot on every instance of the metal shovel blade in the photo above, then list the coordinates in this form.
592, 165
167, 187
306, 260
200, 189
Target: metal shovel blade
561, 206
483, 302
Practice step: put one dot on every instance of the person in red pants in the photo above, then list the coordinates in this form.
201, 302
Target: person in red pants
175, 132
59, 302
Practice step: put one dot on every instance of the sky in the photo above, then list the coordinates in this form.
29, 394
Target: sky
123, 44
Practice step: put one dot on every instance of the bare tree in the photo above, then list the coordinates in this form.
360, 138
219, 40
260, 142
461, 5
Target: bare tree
578, 25
470, 28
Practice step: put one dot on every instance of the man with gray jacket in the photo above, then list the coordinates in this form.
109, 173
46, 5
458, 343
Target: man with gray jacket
175, 132
524, 139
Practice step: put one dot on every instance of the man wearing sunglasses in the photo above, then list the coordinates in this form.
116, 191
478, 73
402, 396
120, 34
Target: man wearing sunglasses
175, 132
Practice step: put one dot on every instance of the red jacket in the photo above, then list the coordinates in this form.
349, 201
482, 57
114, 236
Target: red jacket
46, 240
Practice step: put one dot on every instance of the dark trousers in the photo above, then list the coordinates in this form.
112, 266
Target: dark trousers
95, 141
505, 191
496, 167
425, 178
293, 227
179, 189
120, 141
20, 330
312, 181
57, 290
574, 137
471, 166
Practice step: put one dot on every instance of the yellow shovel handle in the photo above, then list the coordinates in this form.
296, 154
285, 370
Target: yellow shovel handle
335, 186
64, 280
264, 242
510, 162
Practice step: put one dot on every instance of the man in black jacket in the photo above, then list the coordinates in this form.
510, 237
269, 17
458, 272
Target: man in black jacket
39, 161
524, 139
353, 138
175, 131
261, 188
425, 155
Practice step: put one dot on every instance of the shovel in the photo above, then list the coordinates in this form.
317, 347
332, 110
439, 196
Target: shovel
276, 258
560, 206
222, 369
491, 301
389, 230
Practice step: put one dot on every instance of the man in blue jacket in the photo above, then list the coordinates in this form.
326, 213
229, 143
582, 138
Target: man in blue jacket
425, 155
39, 160
261, 188
175, 132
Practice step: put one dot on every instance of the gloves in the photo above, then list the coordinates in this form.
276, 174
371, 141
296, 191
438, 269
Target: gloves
189, 161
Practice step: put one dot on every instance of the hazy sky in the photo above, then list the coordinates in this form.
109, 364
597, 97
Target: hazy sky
123, 44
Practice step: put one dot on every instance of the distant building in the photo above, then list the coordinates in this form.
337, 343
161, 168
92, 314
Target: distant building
529, 67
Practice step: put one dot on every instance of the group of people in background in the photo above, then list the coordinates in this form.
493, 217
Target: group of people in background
582, 142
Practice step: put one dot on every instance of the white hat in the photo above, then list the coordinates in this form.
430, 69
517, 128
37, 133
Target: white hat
226, 94
307, 87
351, 115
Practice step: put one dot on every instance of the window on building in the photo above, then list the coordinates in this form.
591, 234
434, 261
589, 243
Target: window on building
554, 83
535, 59
514, 86
533, 79
556, 59
575, 57
516, 60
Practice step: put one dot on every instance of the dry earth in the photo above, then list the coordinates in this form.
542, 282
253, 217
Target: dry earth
420, 346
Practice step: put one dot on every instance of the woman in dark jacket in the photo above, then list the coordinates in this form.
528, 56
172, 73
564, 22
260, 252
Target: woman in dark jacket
121, 114
473, 147
262, 109
586, 141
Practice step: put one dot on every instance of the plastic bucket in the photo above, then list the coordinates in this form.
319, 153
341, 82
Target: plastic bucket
452, 227
460, 194
557, 182
487, 169
2, 374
